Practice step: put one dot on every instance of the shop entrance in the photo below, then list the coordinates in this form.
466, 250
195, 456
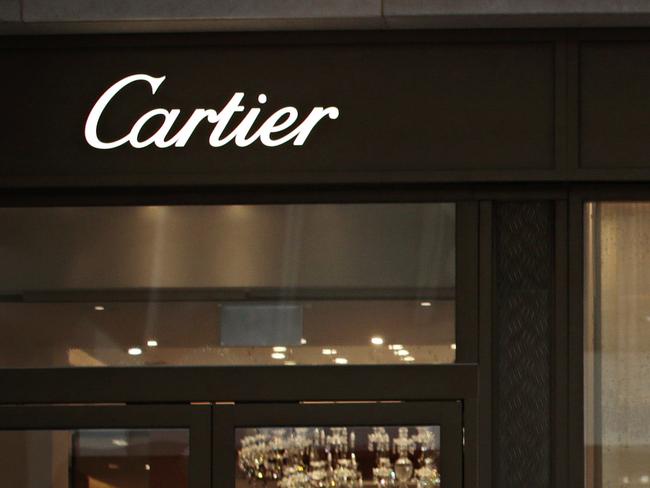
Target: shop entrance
338, 445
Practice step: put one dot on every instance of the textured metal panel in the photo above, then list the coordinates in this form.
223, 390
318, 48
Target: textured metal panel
9, 10
126, 10
524, 239
518, 7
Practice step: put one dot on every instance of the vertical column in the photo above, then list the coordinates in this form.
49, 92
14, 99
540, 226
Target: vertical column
523, 321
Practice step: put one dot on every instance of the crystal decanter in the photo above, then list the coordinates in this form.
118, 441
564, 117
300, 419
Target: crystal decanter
403, 446
427, 475
383, 475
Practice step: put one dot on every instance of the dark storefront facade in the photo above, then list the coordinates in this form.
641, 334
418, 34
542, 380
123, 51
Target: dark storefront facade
310, 259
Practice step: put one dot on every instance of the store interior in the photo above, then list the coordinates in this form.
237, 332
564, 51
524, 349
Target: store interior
617, 344
228, 285
109, 458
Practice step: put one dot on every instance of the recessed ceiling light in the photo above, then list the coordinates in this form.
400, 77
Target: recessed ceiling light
303, 341
289, 363
135, 351
453, 346
395, 347
279, 349
377, 341
409, 359
278, 355
329, 352
100, 308
341, 361
120, 442
402, 352
152, 343
147, 467
425, 304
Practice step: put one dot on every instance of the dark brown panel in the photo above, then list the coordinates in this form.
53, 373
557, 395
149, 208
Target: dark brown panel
614, 106
411, 111
245, 384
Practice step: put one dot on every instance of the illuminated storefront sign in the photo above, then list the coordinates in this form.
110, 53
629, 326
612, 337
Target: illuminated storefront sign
268, 133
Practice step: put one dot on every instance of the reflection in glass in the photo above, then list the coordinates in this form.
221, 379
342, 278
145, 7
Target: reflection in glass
617, 345
227, 285
112, 458
338, 457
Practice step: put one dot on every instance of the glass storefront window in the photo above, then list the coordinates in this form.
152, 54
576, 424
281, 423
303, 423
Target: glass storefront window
95, 458
227, 285
617, 345
338, 457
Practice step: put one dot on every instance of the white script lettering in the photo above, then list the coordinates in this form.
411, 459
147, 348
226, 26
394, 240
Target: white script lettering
268, 133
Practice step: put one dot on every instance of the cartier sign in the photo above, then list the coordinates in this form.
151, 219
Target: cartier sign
281, 127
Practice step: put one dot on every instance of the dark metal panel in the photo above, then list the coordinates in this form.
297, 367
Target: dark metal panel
215, 195
467, 221
276, 194
193, 417
471, 450
566, 67
485, 343
446, 414
449, 83
561, 107
575, 417
302, 37
560, 351
573, 108
629, 191
614, 108
523, 322
243, 384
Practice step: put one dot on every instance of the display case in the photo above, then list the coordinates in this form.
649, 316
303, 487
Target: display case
339, 445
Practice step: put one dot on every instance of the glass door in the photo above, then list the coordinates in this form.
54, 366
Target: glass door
105, 447
339, 445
